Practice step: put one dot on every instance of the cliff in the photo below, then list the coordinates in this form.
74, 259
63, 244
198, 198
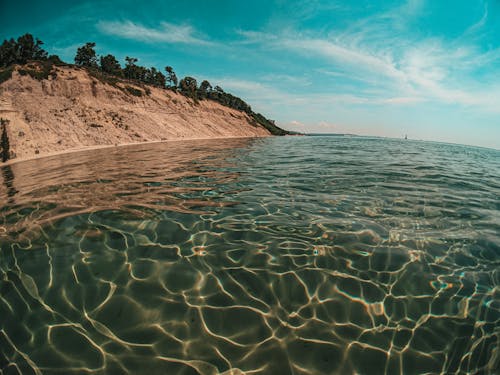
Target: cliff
72, 109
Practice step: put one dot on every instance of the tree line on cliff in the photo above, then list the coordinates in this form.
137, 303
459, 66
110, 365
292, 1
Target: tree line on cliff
27, 48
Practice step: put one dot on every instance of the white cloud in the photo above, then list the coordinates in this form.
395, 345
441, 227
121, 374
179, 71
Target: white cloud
297, 80
166, 32
252, 90
67, 50
403, 100
399, 71
296, 123
344, 55
259, 92
479, 24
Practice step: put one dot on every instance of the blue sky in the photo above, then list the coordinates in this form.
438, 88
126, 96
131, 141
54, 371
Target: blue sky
429, 69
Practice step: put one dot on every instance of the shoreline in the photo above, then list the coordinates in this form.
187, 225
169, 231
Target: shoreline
97, 147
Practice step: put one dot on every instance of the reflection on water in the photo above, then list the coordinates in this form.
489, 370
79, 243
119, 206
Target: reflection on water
8, 180
298, 255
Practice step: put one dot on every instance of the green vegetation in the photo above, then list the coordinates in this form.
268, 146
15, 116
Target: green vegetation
188, 87
6, 74
55, 60
4, 141
27, 51
205, 88
38, 70
150, 76
86, 56
134, 91
269, 124
171, 78
105, 77
110, 65
226, 99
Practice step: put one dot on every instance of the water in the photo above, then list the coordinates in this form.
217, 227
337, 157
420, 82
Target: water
295, 255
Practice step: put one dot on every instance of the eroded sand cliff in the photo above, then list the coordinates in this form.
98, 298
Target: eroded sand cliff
73, 110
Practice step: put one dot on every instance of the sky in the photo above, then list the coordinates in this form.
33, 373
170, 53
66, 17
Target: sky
429, 69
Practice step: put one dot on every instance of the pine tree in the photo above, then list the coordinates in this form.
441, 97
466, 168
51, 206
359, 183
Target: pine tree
130, 70
171, 77
204, 90
26, 48
110, 65
188, 87
86, 56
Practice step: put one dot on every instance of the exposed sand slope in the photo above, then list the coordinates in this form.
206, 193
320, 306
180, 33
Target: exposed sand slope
75, 111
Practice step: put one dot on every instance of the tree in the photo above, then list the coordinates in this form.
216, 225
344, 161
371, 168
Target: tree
26, 48
188, 87
130, 70
4, 141
171, 77
157, 78
29, 48
110, 65
150, 75
8, 52
130, 61
160, 79
141, 73
204, 90
86, 56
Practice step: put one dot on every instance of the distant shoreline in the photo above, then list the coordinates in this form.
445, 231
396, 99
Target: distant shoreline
398, 139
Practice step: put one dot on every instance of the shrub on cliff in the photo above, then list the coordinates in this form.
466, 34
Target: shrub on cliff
134, 91
6, 74
38, 70
217, 94
55, 60
268, 124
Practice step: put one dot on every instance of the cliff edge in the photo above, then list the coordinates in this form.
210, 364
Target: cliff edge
72, 109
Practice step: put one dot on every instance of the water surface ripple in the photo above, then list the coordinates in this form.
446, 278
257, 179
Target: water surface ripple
295, 255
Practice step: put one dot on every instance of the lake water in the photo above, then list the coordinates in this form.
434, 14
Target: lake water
294, 255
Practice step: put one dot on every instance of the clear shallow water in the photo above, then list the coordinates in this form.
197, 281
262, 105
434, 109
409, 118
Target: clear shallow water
296, 255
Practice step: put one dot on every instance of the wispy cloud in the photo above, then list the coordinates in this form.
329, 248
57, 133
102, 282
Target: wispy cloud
165, 33
479, 24
294, 80
266, 92
403, 100
344, 55
68, 50
254, 91
296, 123
402, 72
